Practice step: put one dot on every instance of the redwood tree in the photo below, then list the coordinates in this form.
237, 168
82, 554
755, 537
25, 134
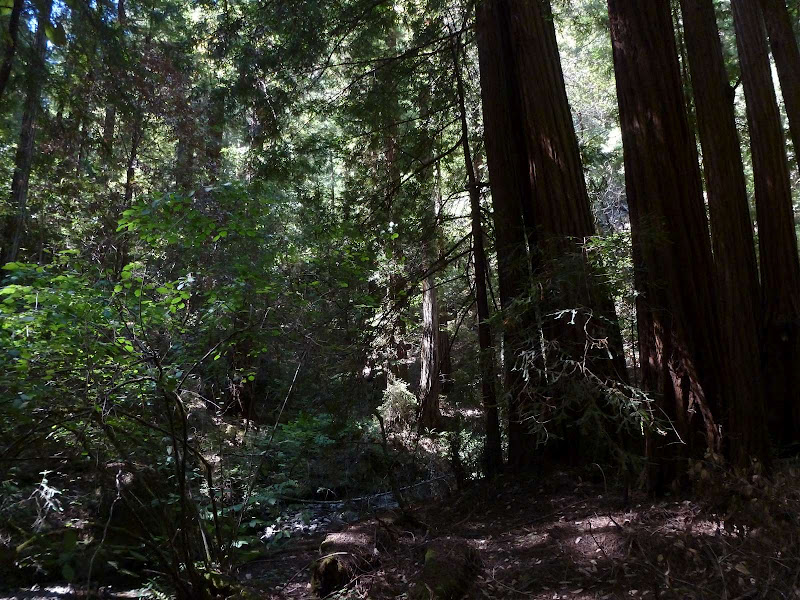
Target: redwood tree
10, 44
506, 156
536, 142
493, 453
731, 232
14, 226
562, 217
787, 62
677, 322
777, 242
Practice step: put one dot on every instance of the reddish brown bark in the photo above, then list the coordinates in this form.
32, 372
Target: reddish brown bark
731, 235
677, 324
572, 311
787, 62
506, 155
777, 242
588, 339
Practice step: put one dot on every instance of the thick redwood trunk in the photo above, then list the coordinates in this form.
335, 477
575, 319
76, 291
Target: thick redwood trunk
562, 215
787, 61
14, 226
493, 450
540, 150
731, 235
780, 267
506, 155
678, 331
10, 45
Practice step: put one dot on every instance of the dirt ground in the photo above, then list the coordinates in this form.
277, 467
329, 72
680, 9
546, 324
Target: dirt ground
569, 539
561, 538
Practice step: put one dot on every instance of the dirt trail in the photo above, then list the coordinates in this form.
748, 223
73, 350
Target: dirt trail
567, 539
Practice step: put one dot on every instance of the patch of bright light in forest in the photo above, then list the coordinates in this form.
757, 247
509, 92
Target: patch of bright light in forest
613, 140
196, 14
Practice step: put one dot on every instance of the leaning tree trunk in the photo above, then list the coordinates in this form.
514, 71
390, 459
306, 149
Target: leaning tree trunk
777, 242
493, 450
10, 49
731, 235
14, 226
510, 184
787, 61
678, 331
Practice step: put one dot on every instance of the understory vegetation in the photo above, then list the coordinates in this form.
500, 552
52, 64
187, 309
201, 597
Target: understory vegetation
424, 299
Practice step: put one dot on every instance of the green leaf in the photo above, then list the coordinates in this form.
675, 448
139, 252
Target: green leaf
68, 572
56, 34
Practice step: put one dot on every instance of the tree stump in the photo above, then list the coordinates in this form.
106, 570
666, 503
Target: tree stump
347, 554
451, 567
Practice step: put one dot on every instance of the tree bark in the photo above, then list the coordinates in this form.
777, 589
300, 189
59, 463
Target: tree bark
10, 49
506, 156
777, 242
110, 119
731, 235
430, 347
677, 321
14, 226
560, 206
783, 42
216, 130
493, 450
429, 386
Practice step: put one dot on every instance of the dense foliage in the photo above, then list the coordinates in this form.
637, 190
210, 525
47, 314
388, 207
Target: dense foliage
241, 241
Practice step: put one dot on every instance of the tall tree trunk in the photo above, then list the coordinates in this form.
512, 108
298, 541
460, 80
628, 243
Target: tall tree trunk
216, 130
493, 450
777, 242
184, 150
10, 49
677, 323
110, 119
506, 156
783, 42
429, 386
14, 226
430, 347
731, 235
107, 153
137, 133
560, 205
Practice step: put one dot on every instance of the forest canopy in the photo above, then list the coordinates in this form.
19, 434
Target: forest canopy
271, 266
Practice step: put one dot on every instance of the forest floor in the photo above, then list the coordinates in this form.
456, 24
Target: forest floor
558, 537
567, 539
